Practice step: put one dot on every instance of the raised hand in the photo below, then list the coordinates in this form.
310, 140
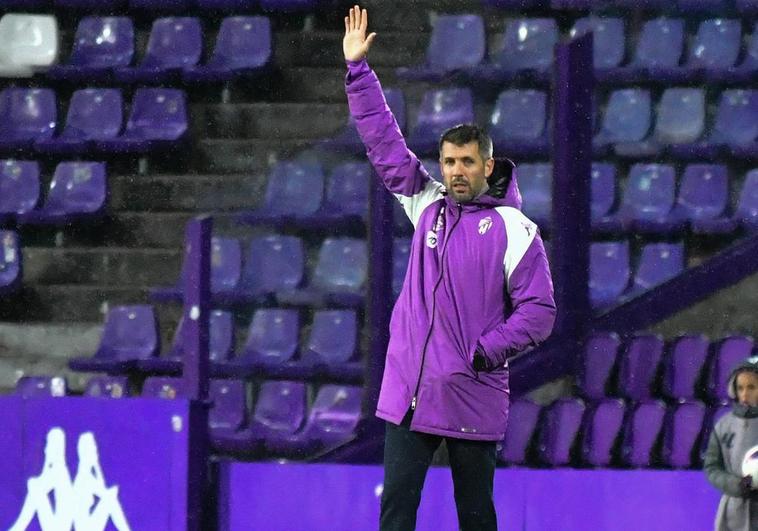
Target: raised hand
355, 44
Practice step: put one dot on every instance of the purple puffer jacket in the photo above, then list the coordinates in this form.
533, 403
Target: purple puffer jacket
477, 273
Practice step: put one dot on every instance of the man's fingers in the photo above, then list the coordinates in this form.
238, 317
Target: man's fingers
347, 25
356, 17
364, 20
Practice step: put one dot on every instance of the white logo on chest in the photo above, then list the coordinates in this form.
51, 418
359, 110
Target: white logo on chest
431, 239
485, 224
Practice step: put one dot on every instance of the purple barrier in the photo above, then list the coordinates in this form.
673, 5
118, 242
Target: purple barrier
94, 463
279, 497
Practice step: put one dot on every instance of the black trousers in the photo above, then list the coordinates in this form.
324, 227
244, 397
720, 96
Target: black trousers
407, 456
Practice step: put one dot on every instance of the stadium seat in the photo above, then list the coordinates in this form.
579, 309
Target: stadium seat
11, 268
638, 363
100, 45
346, 197
272, 339
703, 197
130, 333
747, 68
608, 39
401, 251
600, 429
108, 387
457, 41
226, 270
78, 192
175, 43
164, 387
41, 386
603, 190
648, 201
682, 427
658, 262
440, 109
560, 426
627, 118
716, 47
332, 342
683, 366
158, 120
642, 427
536, 184
726, 355
747, 208
228, 412
26, 115
93, 114
243, 47
609, 272
596, 364
273, 263
523, 416
19, 188
28, 44
518, 124
713, 415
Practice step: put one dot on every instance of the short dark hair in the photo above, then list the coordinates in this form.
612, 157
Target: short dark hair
462, 134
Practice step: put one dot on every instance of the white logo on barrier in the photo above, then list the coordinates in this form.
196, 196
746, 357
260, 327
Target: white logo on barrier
485, 224
86, 504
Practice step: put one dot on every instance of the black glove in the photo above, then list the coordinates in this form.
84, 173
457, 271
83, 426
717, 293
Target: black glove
480, 361
746, 487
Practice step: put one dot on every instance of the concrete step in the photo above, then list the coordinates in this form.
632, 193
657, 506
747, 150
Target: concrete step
220, 156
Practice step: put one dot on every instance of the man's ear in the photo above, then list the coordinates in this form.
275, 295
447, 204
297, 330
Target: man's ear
489, 166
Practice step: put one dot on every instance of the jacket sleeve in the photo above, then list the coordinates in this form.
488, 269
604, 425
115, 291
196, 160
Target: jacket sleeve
530, 287
396, 165
713, 464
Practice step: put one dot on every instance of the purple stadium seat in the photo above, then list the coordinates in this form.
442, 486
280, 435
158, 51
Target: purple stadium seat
715, 47
727, 354
175, 43
108, 387
342, 266
348, 140
272, 338
457, 41
682, 427
713, 414
523, 415
333, 338
19, 187
226, 5
100, 45
648, 200
93, 114
642, 427
228, 412
163, 387
638, 363
78, 191
747, 207
627, 118
601, 426
746, 70
603, 190
440, 109
401, 252
158, 120
608, 43
91, 5
536, 183
26, 115
295, 189
130, 333
659, 49
559, 431
243, 47
703, 197
682, 366
288, 6
226, 270
596, 364
347, 191
658, 263
274, 263
41, 386
609, 272
518, 124
11, 269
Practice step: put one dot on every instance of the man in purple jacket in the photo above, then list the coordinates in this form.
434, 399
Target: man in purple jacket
477, 292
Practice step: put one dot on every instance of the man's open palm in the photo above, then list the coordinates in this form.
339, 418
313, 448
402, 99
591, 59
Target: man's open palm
355, 45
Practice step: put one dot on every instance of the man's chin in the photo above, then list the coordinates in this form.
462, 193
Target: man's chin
461, 198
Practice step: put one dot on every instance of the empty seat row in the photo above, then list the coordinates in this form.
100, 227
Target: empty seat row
108, 6
274, 269
653, 199
157, 120
78, 192
685, 368
608, 432
131, 342
11, 270
28, 44
745, 7
457, 49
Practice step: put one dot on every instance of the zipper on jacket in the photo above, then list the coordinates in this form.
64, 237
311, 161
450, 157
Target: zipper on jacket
414, 400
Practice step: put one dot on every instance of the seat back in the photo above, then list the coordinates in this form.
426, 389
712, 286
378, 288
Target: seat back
28, 40
559, 430
242, 42
601, 427
273, 263
642, 427
130, 332
683, 366
627, 115
229, 409
174, 42
717, 44
347, 189
704, 191
19, 186
599, 355
736, 117
638, 364
334, 335
609, 272
294, 188
608, 39
747, 206
528, 44
457, 41
650, 191
103, 42
273, 335
280, 406
519, 114
523, 415
27, 114
680, 115
78, 188
342, 265
683, 425
158, 114
658, 263
94, 114
660, 44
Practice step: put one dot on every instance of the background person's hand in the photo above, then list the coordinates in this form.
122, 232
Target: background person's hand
355, 44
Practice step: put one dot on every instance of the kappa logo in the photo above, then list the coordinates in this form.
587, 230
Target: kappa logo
485, 224
86, 504
528, 227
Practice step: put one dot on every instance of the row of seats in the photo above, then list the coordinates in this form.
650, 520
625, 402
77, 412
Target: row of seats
608, 433
457, 49
104, 49
131, 343
745, 7
157, 120
689, 367
78, 191
11, 270
281, 421
179, 6
653, 200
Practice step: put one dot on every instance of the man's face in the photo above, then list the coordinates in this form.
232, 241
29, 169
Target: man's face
464, 173
747, 388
